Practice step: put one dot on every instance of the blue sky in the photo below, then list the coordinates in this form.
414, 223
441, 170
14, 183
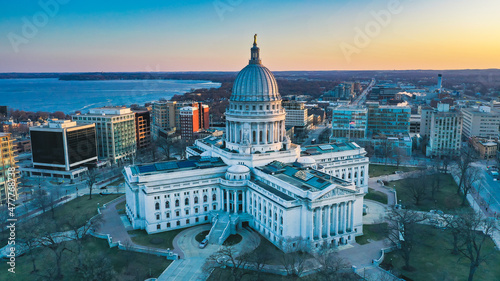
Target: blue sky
216, 35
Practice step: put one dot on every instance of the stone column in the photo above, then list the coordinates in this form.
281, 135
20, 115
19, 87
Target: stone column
264, 137
328, 221
235, 195
335, 219
271, 133
258, 134
313, 225
227, 201
339, 216
321, 222
344, 217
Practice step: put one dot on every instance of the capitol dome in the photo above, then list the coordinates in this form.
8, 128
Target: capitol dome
238, 172
255, 82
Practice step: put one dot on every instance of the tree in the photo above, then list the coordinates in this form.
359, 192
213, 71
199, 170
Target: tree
57, 246
78, 232
227, 256
41, 199
464, 162
416, 186
474, 235
91, 180
472, 176
294, 259
95, 267
29, 236
333, 267
399, 156
404, 232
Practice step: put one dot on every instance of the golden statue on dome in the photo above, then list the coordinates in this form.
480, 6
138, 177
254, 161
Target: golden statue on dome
255, 39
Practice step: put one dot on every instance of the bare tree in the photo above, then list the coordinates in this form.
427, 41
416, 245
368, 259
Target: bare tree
96, 267
295, 260
57, 246
91, 180
399, 156
416, 186
227, 256
464, 162
41, 199
474, 234
404, 232
333, 267
472, 176
29, 236
78, 232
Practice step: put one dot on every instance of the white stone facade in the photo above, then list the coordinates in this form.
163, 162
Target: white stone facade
254, 176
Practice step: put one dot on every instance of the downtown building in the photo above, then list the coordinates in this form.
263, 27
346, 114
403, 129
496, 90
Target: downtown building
296, 114
482, 122
9, 173
115, 130
142, 128
254, 176
62, 149
166, 117
445, 132
385, 128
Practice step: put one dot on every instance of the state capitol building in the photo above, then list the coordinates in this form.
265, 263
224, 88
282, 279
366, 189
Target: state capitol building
254, 176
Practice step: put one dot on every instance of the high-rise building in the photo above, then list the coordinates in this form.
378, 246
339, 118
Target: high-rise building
9, 172
115, 127
483, 122
62, 149
296, 113
142, 128
190, 122
445, 132
388, 120
163, 117
343, 91
349, 122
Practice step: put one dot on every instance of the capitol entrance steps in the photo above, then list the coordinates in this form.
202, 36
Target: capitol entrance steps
224, 224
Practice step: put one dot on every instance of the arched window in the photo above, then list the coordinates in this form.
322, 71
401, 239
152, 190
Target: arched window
167, 204
177, 203
214, 197
196, 200
205, 198
157, 206
186, 201
240, 177
240, 196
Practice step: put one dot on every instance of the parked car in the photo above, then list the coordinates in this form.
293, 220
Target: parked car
203, 243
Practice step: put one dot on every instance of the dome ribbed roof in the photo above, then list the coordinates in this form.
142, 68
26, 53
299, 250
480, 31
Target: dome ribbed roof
238, 169
255, 83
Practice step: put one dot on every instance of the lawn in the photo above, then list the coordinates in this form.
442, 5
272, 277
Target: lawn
446, 199
373, 232
128, 265
121, 208
376, 196
79, 210
433, 260
200, 236
162, 240
375, 170
233, 240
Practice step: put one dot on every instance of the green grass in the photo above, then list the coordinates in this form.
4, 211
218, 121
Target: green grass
78, 210
373, 232
200, 236
381, 170
121, 208
233, 240
446, 199
376, 196
141, 237
433, 261
128, 265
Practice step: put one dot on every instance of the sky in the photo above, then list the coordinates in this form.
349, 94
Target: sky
216, 35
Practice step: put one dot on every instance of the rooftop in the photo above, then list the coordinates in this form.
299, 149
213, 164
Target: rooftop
329, 148
308, 180
177, 166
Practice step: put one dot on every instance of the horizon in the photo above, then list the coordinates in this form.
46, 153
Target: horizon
62, 36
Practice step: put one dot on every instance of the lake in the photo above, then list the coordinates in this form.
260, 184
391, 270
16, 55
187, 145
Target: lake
51, 94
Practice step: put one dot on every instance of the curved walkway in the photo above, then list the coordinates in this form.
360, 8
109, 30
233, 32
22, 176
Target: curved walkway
191, 267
